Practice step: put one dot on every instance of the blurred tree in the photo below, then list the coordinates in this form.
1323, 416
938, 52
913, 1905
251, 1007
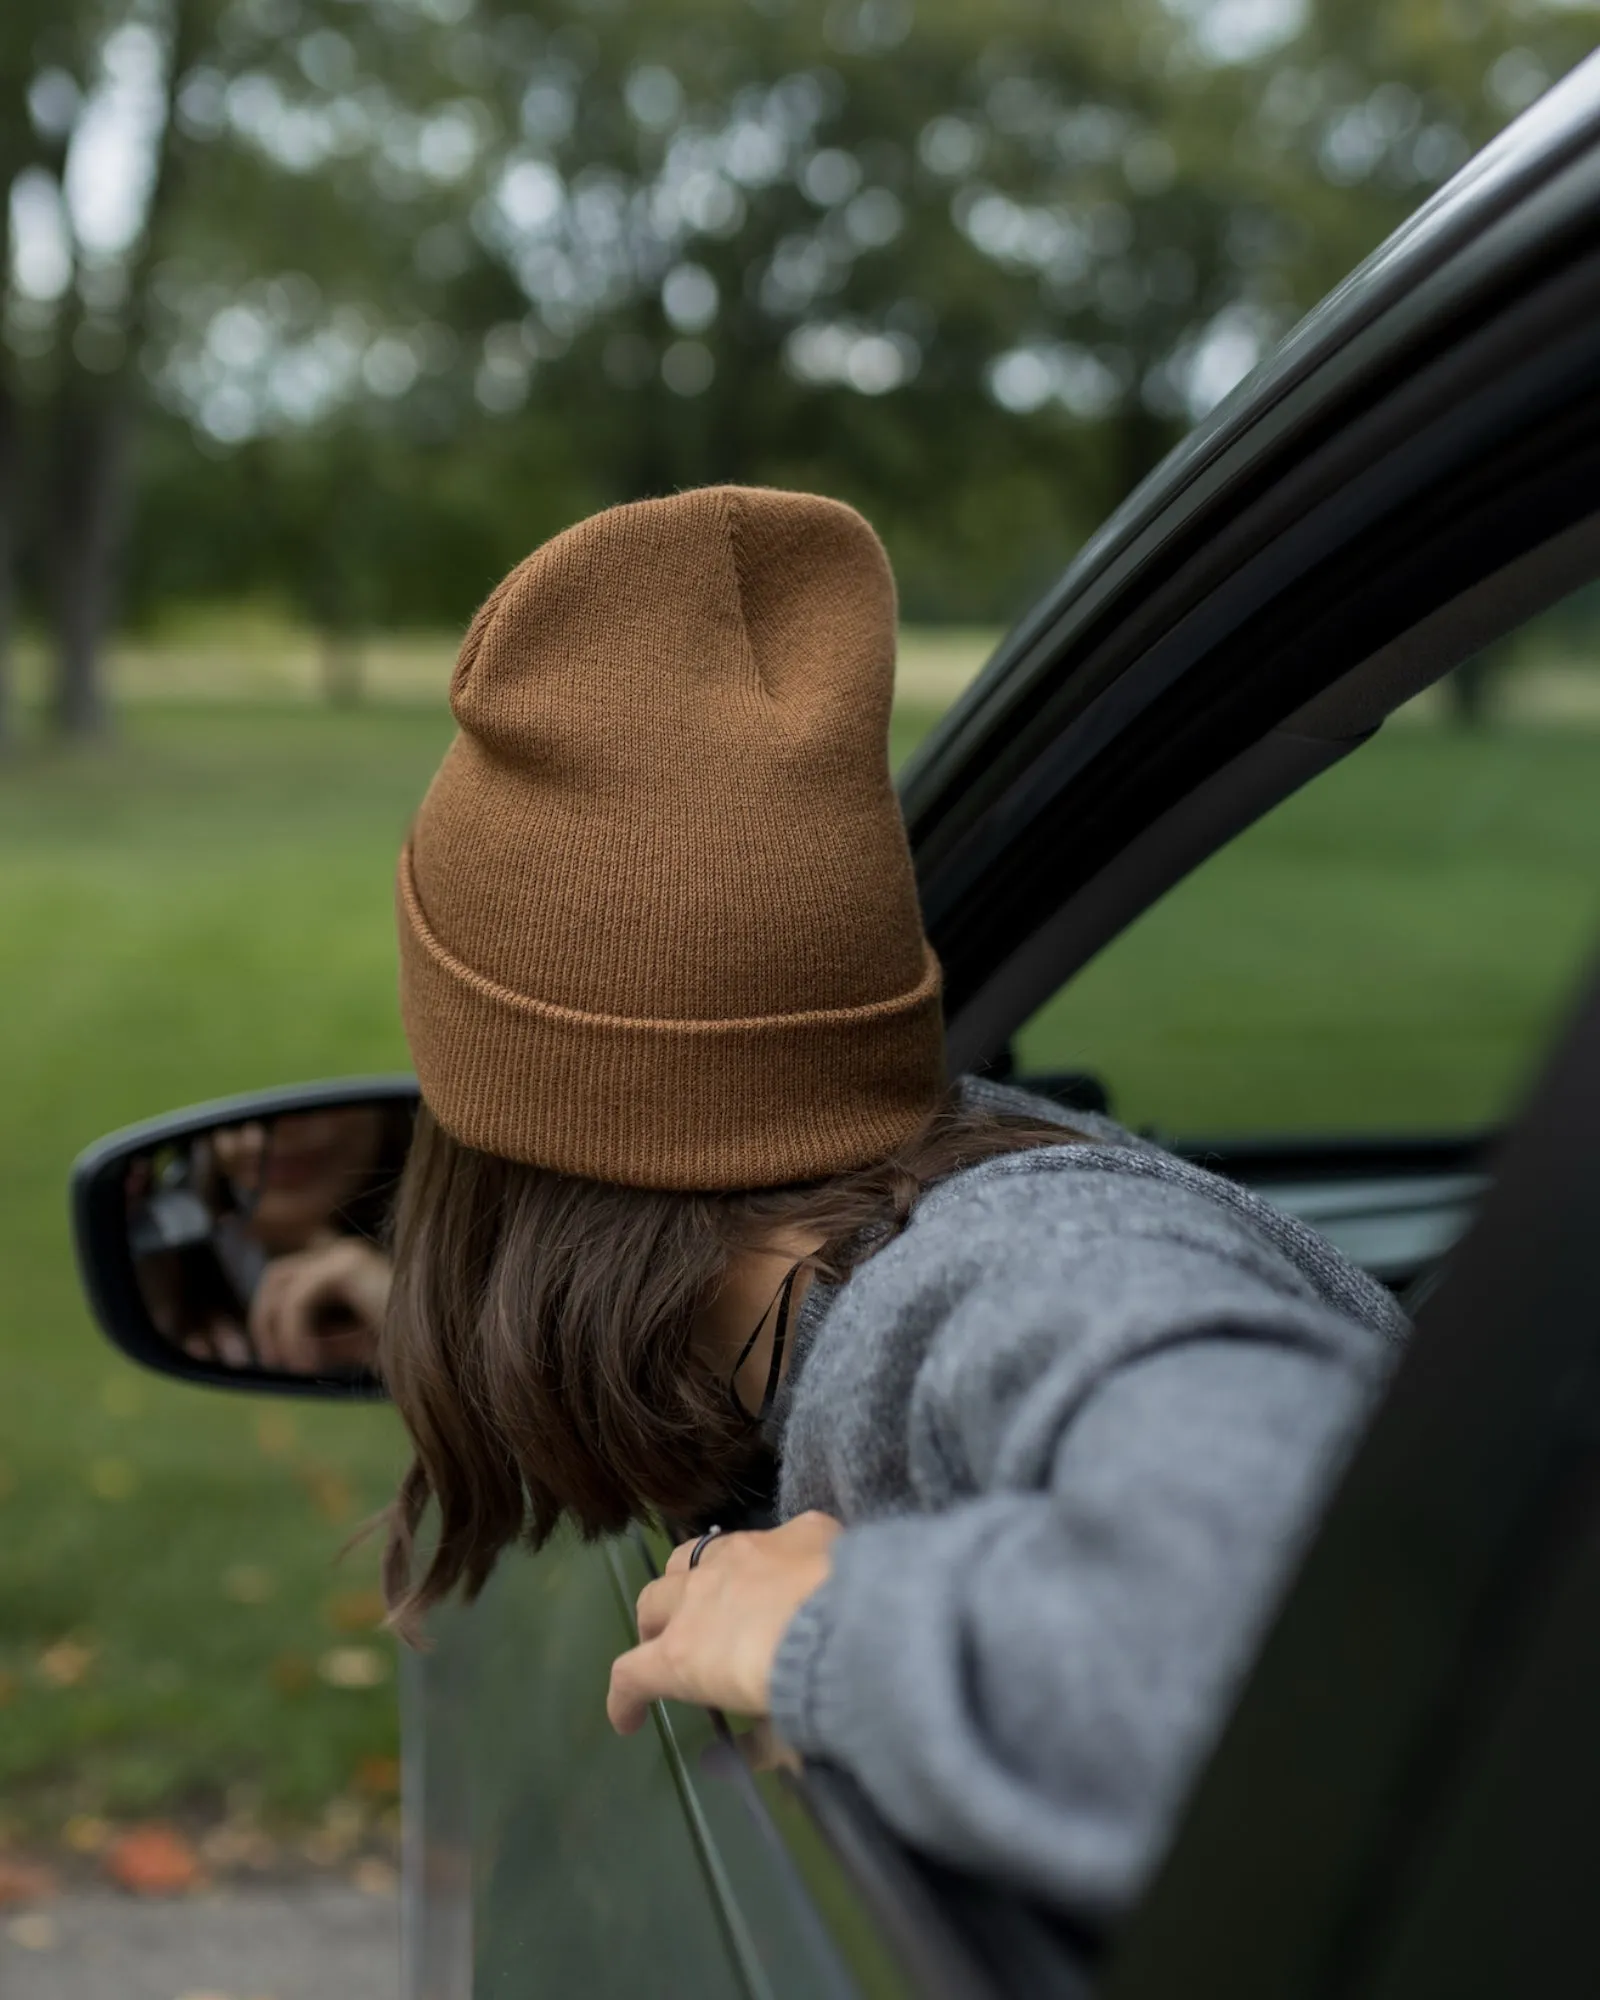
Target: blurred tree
20, 26
91, 175
416, 281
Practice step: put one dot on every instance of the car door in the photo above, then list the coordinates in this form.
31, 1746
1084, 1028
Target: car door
1413, 478
1402, 1804
548, 1856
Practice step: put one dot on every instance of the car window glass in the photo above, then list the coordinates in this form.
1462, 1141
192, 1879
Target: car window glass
1389, 949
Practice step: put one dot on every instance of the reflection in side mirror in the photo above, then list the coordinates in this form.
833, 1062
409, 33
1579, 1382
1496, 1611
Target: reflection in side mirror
245, 1243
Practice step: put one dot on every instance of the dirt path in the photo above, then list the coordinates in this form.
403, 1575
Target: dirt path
319, 1942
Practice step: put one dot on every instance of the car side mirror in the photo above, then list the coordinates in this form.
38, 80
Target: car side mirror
245, 1243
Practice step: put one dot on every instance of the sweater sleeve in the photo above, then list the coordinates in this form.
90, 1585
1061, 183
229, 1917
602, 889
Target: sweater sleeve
1025, 1677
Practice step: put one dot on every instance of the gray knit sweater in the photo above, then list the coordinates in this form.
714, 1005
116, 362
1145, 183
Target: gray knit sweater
1077, 1420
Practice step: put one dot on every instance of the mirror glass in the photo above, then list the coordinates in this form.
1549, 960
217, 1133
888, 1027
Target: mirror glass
259, 1246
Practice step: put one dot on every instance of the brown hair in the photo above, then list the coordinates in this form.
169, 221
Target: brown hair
538, 1339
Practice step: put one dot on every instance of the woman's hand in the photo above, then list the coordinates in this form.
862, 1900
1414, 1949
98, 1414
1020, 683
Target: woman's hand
709, 1635
321, 1308
219, 1341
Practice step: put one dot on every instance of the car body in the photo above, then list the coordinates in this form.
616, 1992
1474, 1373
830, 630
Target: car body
1415, 472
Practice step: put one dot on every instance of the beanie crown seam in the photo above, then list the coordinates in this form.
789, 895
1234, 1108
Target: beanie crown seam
771, 710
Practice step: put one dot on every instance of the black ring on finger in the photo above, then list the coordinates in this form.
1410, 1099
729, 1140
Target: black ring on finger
700, 1546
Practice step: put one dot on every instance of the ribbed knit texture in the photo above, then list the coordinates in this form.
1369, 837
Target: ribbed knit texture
657, 917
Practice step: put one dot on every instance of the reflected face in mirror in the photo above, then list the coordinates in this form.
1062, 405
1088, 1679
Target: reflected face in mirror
296, 1173
259, 1245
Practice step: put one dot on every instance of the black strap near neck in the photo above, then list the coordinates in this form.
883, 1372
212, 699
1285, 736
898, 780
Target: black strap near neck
780, 1336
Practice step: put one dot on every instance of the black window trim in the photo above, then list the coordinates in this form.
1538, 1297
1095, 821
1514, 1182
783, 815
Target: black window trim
1174, 842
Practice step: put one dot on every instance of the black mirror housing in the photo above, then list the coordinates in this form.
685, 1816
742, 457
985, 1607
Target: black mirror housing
139, 1215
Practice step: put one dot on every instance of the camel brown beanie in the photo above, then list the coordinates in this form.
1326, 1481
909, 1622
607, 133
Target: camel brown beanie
657, 918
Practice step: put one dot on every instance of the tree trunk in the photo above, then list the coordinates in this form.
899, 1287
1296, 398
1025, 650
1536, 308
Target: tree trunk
342, 667
1468, 690
95, 436
88, 535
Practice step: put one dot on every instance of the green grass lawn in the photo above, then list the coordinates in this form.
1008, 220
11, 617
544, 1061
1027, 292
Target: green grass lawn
205, 907
1389, 951
201, 908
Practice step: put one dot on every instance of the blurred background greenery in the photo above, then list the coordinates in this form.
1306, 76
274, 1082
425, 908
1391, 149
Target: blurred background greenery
318, 314
337, 307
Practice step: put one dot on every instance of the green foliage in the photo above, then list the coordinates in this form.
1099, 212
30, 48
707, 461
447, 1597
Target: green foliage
420, 283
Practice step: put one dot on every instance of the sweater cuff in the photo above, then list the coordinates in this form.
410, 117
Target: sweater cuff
796, 1690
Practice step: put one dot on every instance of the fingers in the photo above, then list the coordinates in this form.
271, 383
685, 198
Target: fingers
658, 1604
229, 1345
636, 1681
289, 1311
267, 1327
812, 1529
370, 1276
658, 1668
710, 1635
238, 1151
219, 1341
678, 1561
282, 1314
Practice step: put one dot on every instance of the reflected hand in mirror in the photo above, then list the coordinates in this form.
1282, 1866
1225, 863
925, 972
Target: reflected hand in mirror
259, 1245
321, 1307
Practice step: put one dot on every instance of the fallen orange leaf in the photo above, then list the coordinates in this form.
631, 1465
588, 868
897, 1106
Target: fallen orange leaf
65, 1663
378, 1776
24, 1881
86, 1833
152, 1860
274, 1433
355, 1610
291, 1673
329, 1494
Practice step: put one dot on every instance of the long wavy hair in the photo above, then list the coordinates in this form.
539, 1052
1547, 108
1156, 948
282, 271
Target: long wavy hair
539, 1338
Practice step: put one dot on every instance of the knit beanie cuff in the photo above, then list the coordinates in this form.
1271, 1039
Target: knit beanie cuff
710, 1105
